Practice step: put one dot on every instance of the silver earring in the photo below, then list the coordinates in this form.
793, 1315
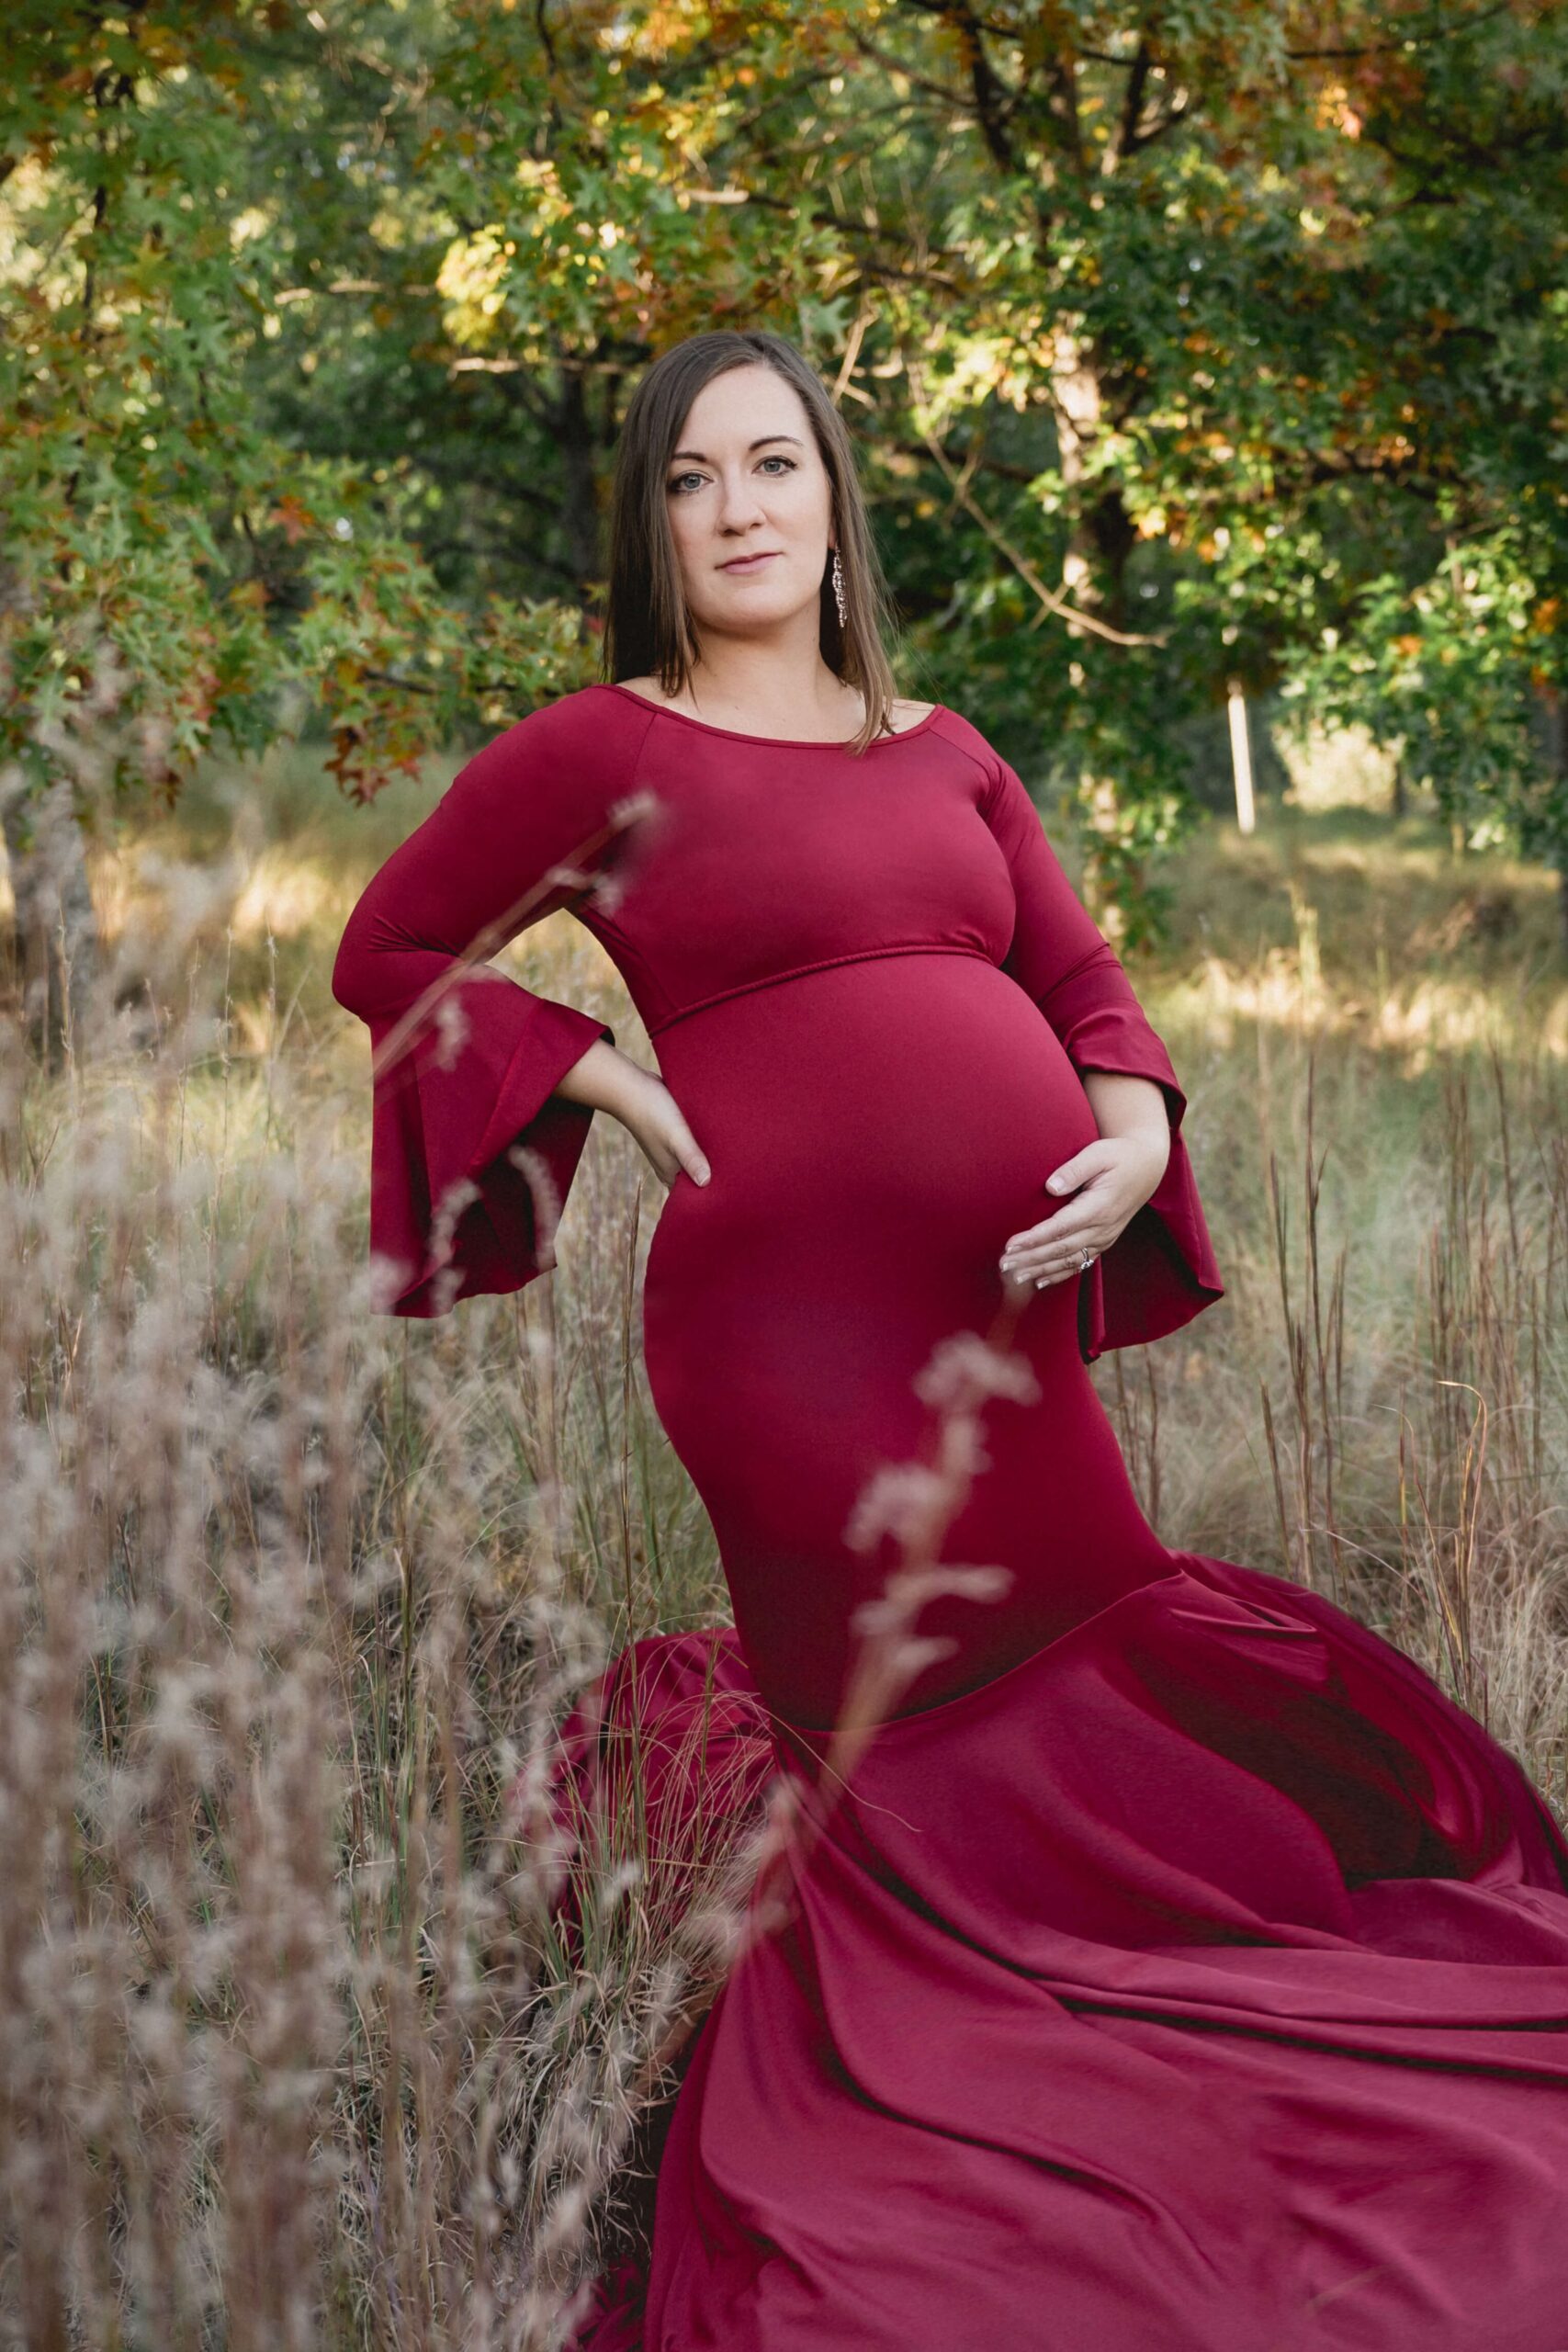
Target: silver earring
839, 589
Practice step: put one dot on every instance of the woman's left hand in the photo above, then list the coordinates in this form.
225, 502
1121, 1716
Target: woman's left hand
1111, 1178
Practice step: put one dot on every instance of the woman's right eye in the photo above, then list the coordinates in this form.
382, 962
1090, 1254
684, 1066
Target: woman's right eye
680, 478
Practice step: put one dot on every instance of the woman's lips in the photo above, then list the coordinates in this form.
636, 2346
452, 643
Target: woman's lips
748, 562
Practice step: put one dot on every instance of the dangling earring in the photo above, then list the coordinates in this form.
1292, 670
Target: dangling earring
839, 589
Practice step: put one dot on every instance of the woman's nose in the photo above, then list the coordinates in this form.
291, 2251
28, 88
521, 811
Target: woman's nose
739, 506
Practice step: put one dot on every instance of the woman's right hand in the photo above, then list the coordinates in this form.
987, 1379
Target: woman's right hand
608, 1080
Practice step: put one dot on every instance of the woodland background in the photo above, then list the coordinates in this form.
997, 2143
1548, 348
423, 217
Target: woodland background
1200, 357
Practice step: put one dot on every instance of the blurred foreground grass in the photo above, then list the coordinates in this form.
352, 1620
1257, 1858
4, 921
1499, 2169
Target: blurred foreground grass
290, 2050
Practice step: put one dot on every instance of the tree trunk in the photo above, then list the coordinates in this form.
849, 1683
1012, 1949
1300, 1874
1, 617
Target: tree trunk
579, 455
1076, 400
55, 951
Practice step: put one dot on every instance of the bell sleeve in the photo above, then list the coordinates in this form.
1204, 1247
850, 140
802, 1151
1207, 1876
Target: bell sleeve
1160, 1270
472, 1150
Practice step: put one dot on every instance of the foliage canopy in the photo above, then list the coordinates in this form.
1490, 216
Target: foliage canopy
1184, 344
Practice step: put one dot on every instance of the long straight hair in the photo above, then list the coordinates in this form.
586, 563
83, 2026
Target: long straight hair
648, 624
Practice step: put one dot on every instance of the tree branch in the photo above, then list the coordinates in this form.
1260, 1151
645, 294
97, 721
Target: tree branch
877, 55
1127, 139
1053, 601
994, 101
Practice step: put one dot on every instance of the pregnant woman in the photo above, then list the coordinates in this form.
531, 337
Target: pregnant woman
1176, 1968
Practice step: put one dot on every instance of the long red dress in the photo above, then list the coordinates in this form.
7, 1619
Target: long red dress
1176, 1969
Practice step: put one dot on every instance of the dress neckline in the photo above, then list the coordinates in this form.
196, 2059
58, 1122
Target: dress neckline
781, 742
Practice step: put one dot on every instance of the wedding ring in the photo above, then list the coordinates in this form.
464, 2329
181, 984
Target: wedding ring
1085, 1260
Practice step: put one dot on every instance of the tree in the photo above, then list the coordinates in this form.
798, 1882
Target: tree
1182, 346
1226, 328
170, 559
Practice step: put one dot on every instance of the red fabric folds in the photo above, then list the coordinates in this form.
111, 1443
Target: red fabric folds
1200, 1983
473, 1153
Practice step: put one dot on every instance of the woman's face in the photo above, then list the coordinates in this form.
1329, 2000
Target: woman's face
749, 505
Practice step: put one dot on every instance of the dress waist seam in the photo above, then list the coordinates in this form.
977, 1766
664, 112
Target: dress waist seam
804, 971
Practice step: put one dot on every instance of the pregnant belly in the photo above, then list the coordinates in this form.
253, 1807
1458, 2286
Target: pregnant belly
921, 1095
876, 1131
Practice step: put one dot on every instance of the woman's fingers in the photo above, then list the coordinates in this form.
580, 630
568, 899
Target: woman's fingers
666, 1139
1040, 1237
1083, 1166
670, 1161
1050, 1251
690, 1154
1033, 1252
1046, 1270
1112, 1177
687, 1152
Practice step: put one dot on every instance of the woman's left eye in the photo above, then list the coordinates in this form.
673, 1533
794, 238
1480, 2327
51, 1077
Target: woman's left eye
679, 481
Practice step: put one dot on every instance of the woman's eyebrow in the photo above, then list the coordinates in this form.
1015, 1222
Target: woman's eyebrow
750, 446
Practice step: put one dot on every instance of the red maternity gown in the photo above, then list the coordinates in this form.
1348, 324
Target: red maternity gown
1177, 1969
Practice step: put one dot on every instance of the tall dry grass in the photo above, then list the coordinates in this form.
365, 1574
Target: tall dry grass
294, 2049
293, 2052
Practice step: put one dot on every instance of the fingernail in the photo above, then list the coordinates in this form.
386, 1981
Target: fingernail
1053, 1183
1040, 1281
703, 1175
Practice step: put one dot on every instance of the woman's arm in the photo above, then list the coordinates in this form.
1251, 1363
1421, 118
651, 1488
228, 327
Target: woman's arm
607, 1079
479, 1125
1130, 1109
1131, 1196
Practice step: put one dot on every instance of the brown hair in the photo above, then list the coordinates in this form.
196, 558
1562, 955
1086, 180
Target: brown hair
648, 627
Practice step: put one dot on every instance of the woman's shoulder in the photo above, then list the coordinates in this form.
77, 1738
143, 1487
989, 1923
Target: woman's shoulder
963, 733
593, 715
578, 751
593, 732
907, 714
